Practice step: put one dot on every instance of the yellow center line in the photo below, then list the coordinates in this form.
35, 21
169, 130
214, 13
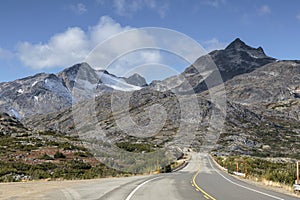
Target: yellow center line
206, 195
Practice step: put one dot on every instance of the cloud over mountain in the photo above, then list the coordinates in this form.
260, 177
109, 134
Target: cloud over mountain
74, 44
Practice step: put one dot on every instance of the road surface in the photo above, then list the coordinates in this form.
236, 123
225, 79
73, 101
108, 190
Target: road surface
198, 180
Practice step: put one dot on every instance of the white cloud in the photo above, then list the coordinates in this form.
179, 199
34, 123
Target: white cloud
130, 48
134, 61
5, 54
214, 3
74, 45
298, 16
137, 47
78, 8
126, 50
264, 10
106, 28
100, 2
214, 44
162, 10
62, 49
128, 7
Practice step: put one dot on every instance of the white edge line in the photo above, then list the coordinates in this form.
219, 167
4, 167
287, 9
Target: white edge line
139, 186
66, 194
253, 190
70, 193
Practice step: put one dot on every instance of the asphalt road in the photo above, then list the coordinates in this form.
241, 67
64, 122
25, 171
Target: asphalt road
198, 180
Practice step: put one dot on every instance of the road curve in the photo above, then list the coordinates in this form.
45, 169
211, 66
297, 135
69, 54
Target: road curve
201, 180
198, 180
220, 185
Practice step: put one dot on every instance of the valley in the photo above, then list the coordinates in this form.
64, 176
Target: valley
82, 123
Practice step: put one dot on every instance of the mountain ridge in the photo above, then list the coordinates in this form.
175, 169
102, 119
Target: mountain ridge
255, 120
44, 93
237, 58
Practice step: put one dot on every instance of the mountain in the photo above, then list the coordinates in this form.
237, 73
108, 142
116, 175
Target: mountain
245, 130
252, 133
264, 120
262, 106
45, 93
237, 58
273, 90
136, 80
278, 81
41, 93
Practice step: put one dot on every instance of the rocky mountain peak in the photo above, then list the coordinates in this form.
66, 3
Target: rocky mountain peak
237, 58
136, 79
80, 71
73, 71
260, 49
239, 45
78, 66
44, 93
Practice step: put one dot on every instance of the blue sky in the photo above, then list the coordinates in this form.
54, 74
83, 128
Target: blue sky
47, 36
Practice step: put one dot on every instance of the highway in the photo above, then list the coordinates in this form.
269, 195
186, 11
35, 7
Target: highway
200, 179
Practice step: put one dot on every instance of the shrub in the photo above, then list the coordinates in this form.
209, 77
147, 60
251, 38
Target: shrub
66, 146
79, 164
135, 147
58, 155
46, 157
260, 168
83, 154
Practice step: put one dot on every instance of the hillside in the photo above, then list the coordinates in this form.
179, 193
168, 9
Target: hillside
46, 93
124, 127
26, 154
215, 68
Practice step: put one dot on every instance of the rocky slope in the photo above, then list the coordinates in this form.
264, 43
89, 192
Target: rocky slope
152, 118
136, 80
279, 81
27, 154
272, 90
245, 131
261, 110
10, 125
262, 103
237, 58
45, 93
272, 93
248, 132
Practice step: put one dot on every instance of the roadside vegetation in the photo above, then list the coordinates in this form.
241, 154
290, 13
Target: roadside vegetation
276, 170
48, 155
136, 147
69, 169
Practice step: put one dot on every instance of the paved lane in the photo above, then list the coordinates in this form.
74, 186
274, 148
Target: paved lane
201, 180
220, 185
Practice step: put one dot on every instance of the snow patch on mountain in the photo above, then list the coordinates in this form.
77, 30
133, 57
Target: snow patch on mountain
20, 91
45, 93
34, 83
116, 83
